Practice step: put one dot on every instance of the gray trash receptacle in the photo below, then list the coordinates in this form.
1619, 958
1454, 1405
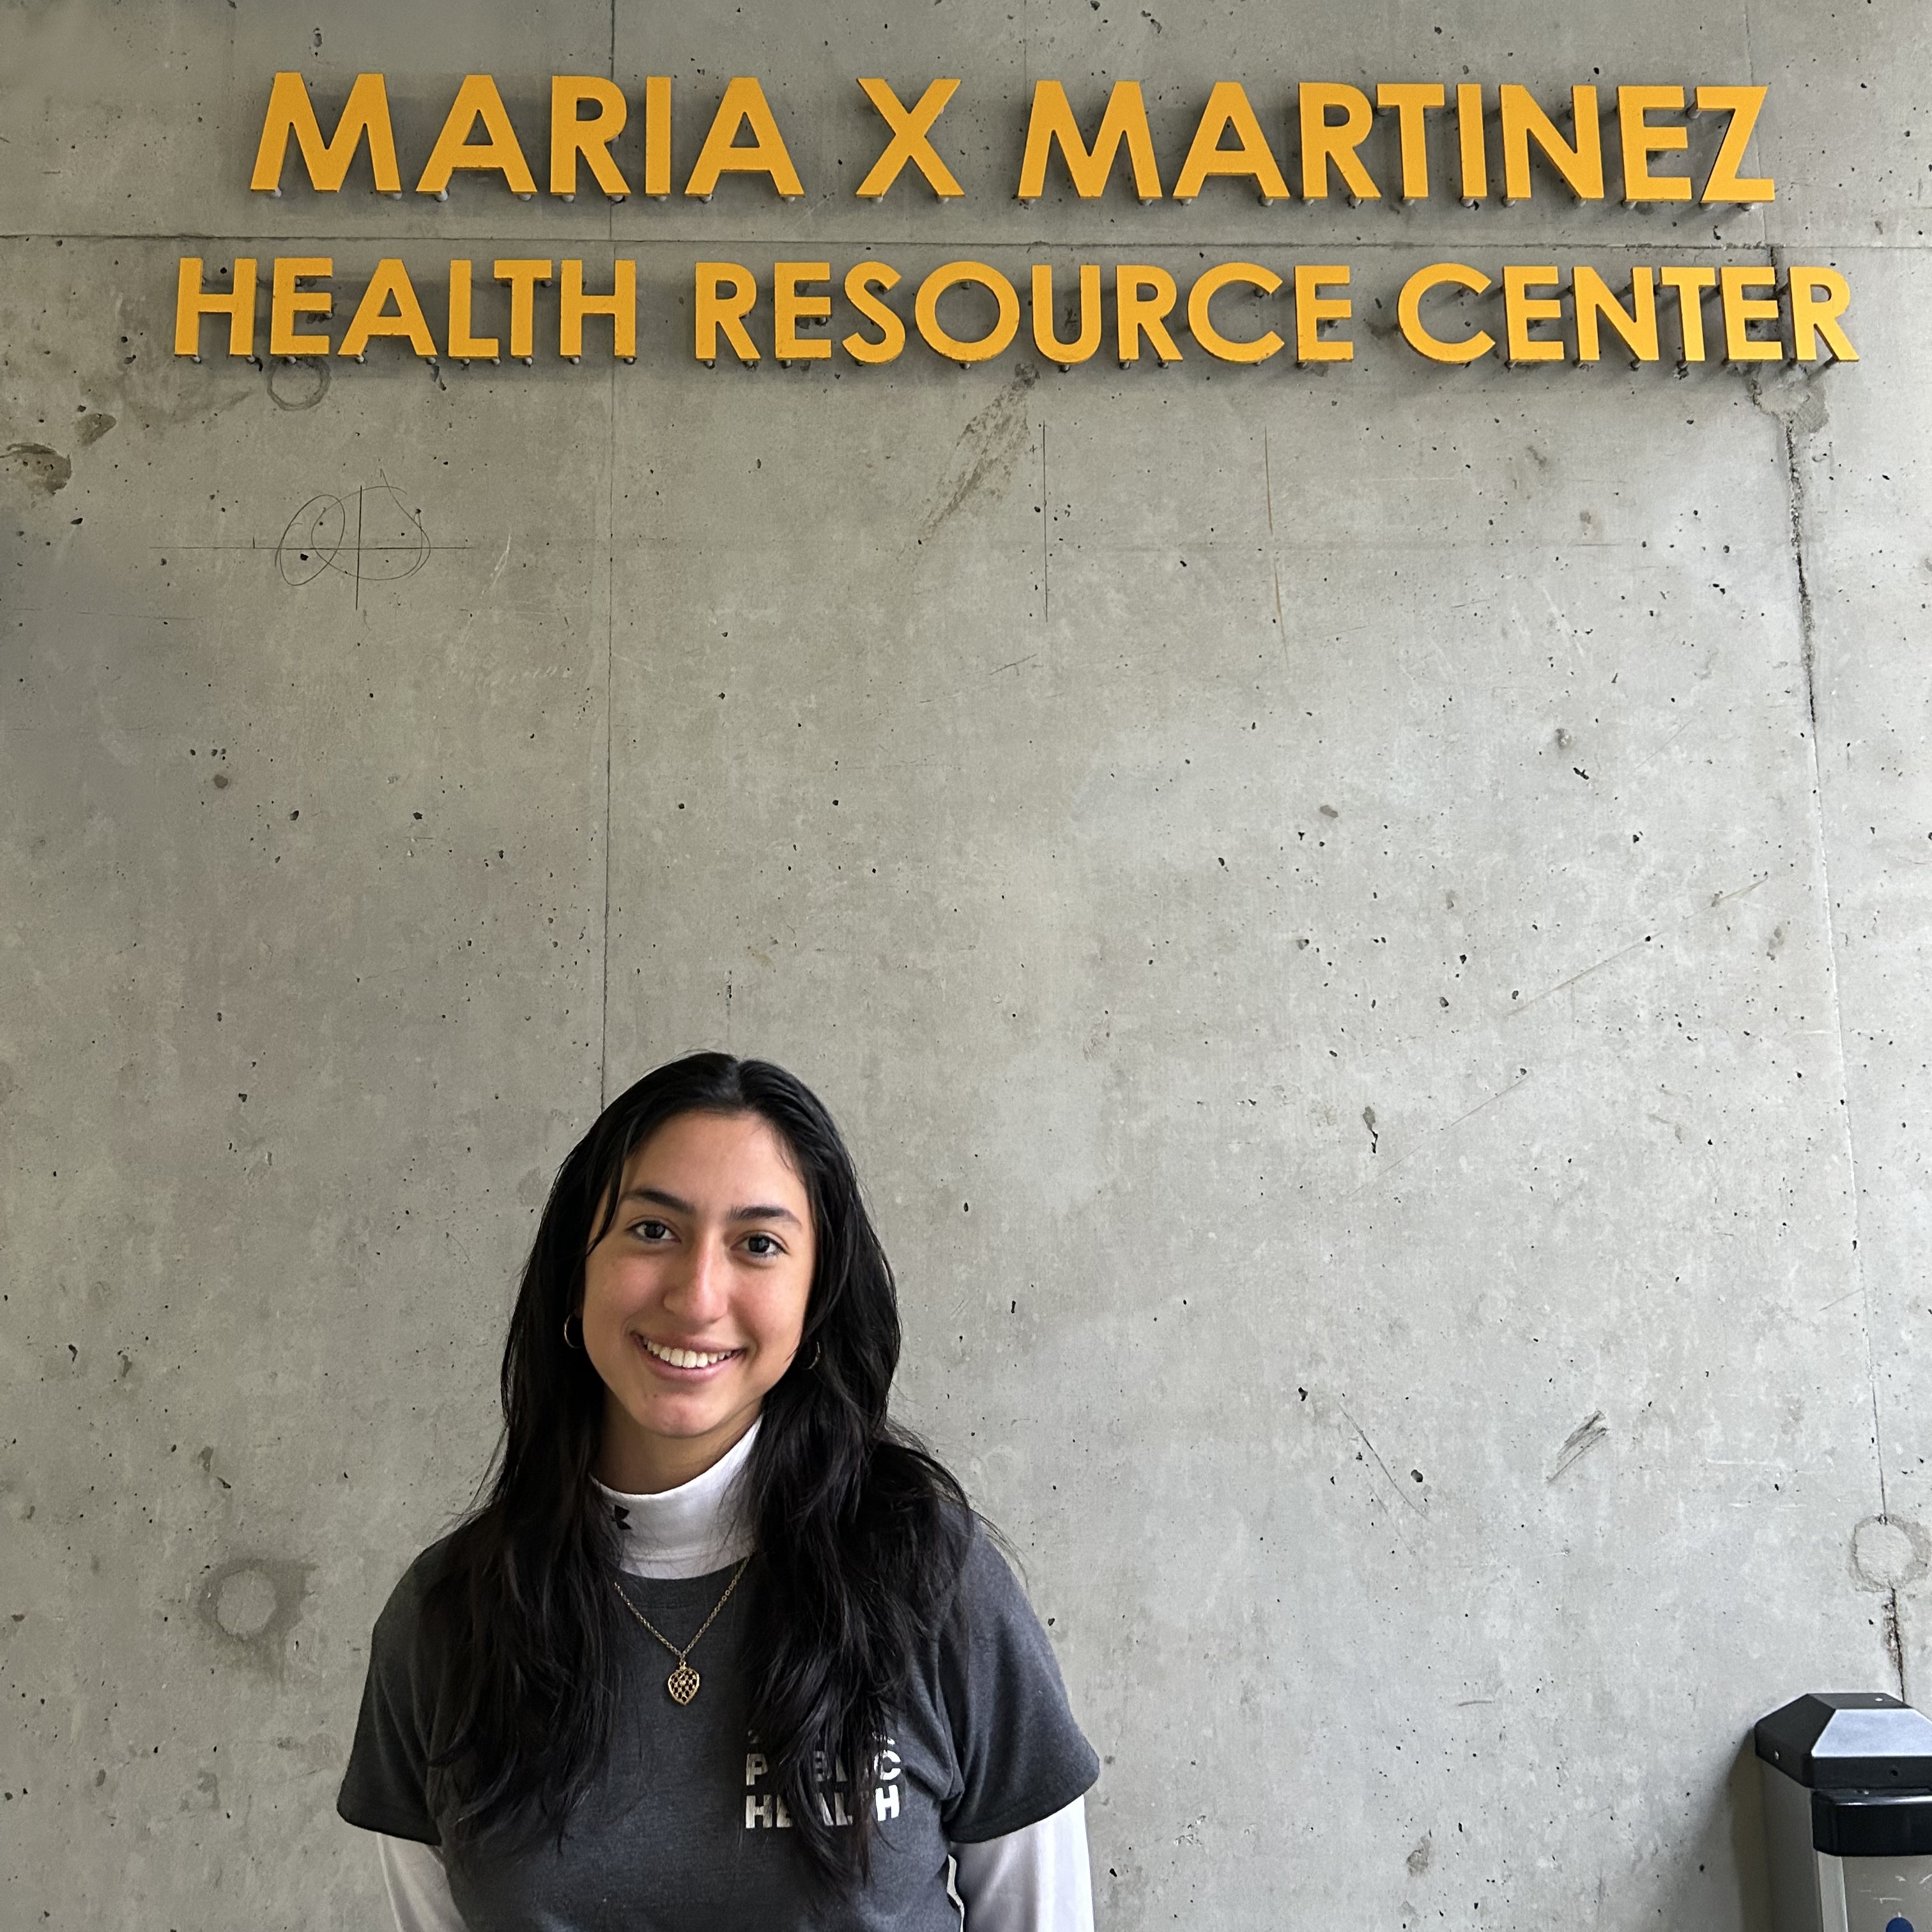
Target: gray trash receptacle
1848, 1814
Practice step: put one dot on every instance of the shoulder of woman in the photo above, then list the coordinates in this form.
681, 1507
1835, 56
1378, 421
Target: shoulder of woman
987, 1581
402, 1613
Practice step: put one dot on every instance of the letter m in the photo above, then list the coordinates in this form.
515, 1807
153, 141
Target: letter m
1125, 120
291, 112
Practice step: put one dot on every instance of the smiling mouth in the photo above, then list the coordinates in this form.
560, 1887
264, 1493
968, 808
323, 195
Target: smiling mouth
686, 1358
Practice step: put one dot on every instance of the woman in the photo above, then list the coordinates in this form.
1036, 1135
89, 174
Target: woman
722, 1646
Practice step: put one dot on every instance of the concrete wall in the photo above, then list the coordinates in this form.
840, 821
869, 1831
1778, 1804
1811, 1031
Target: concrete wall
1368, 929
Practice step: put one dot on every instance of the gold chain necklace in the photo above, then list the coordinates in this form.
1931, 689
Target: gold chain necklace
682, 1683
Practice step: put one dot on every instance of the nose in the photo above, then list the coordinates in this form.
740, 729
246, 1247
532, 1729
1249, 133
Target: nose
699, 1293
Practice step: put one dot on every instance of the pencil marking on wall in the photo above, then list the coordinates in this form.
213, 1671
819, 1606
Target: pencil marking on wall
1650, 758
372, 537
1579, 1443
1447, 1126
1046, 519
1274, 557
1738, 891
1421, 1508
1608, 959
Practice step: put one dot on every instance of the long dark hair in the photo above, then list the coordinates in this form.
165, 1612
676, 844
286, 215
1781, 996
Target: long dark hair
861, 1533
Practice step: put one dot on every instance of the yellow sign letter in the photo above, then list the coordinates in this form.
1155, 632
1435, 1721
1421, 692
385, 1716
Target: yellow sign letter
1052, 120
1323, 140
951, 274
909, 141
570, 137
713, 309
193, 301
366, 111
390, 283
1200, 324
744, 106
1228, 107
477, 97
1409, 313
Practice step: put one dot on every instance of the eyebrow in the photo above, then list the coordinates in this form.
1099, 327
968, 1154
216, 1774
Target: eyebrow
756, 1211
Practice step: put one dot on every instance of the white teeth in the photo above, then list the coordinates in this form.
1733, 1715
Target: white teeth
688, 1358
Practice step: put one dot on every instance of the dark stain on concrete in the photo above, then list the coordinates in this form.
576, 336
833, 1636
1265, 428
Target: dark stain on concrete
92, 427
988, 451
43, 470
319, 1753
297, 385
1793, 397
251, 1603
1890, 1551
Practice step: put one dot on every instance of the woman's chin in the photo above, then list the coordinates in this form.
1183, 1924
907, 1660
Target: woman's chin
685, 1415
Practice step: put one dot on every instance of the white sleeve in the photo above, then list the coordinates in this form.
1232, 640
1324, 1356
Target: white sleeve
1034, 1879
417, 1886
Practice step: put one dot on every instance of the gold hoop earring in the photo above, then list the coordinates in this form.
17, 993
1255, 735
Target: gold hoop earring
818, 1349
567, 1342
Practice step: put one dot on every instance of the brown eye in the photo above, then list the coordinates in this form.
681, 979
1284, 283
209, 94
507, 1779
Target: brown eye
765, 1252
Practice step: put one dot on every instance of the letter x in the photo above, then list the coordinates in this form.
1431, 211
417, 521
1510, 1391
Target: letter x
909, 143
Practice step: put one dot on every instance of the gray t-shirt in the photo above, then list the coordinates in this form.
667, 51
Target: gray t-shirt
683, 1830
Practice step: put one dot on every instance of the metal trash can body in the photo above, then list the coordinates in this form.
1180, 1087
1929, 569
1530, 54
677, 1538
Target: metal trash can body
1848, 1814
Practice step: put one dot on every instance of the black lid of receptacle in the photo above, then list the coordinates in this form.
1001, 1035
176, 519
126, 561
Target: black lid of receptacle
1849, 1741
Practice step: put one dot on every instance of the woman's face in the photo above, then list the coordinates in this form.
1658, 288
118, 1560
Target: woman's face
694, 1301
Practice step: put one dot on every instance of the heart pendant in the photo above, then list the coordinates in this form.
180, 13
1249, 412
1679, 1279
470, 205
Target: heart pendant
682, 1684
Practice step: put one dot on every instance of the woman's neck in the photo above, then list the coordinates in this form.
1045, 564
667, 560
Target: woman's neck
692, 1529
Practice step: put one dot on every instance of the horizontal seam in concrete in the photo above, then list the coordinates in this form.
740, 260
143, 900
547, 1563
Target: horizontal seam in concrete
795, 239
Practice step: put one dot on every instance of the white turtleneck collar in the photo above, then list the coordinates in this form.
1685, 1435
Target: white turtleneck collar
691, 1530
